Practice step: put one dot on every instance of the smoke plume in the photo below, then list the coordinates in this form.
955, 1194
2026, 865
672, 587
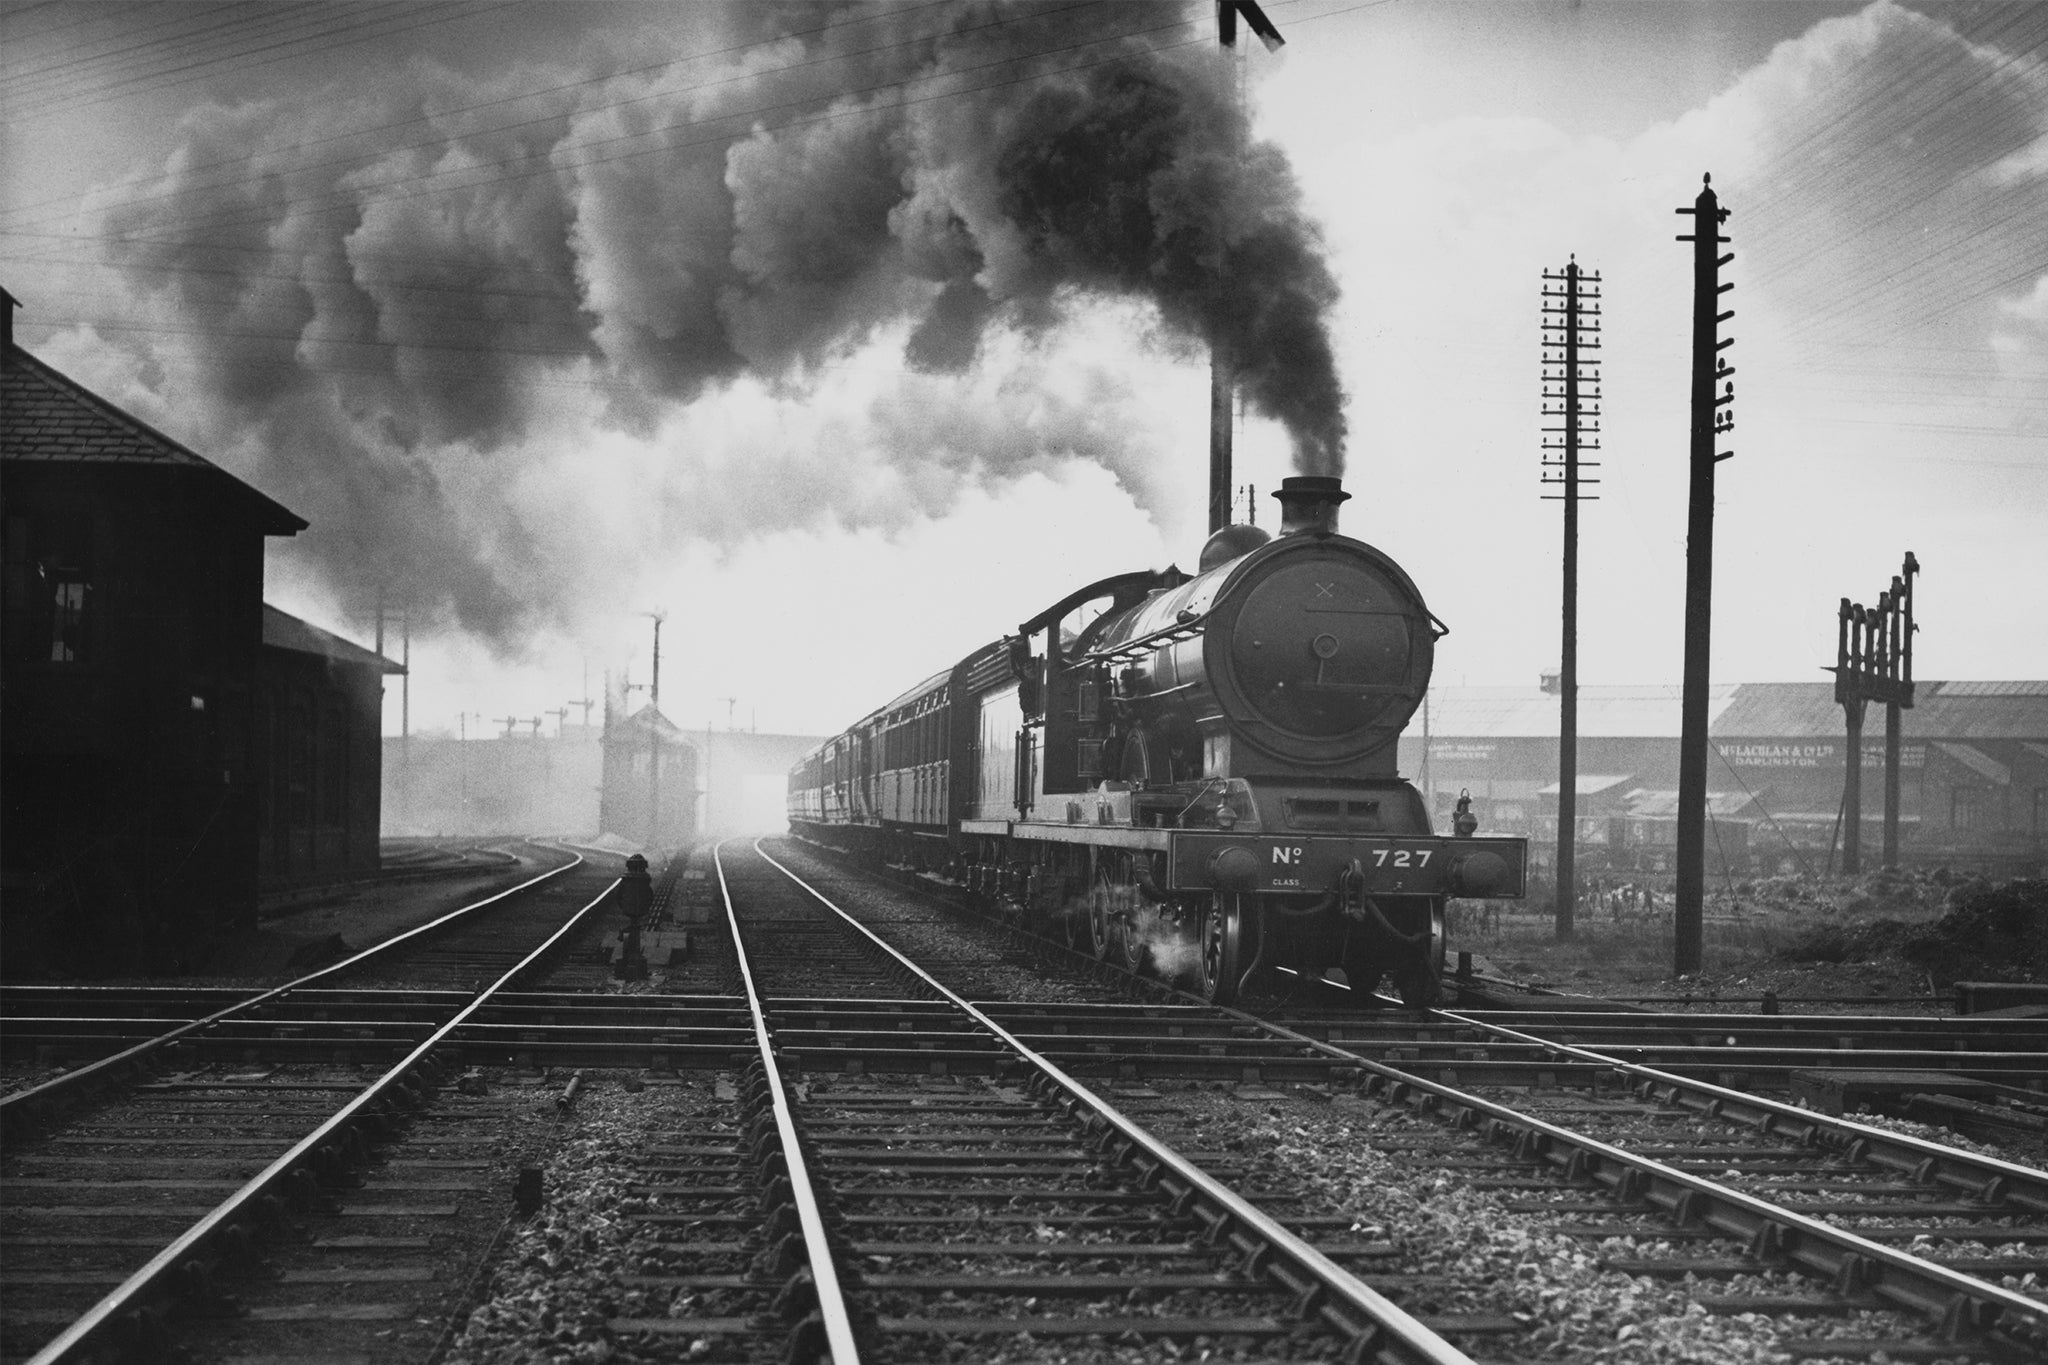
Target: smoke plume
400, 323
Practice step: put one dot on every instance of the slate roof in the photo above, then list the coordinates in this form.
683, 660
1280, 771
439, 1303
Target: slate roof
47, 417
281, 630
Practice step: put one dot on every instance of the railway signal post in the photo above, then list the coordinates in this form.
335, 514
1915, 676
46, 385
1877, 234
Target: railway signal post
1712, 416
1874, 662
1571, 393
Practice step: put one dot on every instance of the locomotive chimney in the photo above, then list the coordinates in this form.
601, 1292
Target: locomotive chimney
1308, 502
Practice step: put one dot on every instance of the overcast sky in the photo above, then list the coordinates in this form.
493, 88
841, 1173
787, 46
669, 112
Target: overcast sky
850, 336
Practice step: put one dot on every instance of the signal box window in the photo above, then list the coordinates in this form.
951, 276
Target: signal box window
48, 587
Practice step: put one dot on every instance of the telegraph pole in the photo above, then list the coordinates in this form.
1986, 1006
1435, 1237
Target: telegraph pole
586, 701
654, 738
1571, 327
1709, 423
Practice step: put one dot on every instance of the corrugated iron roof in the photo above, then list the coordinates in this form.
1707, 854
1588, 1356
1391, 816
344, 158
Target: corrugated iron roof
48, 417
1955, 711
1995, 688
1617, 712
1786, 710
282, 630
1656, 804
1588, 785
1776, 710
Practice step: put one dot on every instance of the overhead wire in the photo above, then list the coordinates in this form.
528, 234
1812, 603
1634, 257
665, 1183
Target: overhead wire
582, 111
243, 65
1880, 102
848, 113
755, 112
1834, 179
1012, 21
29, 83
356, 198
1883, 194
545, 163
94, 14
746, 113
244, 272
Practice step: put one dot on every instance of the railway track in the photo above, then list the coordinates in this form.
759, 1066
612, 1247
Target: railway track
907, 1221
959, 1202
108, 1212
1943, 1245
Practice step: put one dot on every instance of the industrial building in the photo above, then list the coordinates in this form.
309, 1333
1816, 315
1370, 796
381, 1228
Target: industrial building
1973, 787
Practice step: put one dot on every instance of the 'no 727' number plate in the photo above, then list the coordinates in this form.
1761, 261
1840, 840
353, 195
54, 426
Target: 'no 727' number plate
1388, 866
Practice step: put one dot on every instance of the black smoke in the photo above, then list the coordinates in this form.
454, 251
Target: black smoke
388, 311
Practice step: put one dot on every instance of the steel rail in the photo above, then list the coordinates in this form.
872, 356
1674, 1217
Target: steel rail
1401, 1337
1963, 1300
832, 1309
2024, 1184
1731, 1021
194, 1244
1855, 1262
14, 1107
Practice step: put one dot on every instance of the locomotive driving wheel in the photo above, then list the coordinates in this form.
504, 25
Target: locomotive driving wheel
1420, 975
1108, 933
1221, 961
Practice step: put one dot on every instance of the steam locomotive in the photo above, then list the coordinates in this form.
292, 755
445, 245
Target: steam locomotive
1194, 776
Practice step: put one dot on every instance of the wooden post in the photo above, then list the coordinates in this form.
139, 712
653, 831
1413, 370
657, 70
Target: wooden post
1708, 422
